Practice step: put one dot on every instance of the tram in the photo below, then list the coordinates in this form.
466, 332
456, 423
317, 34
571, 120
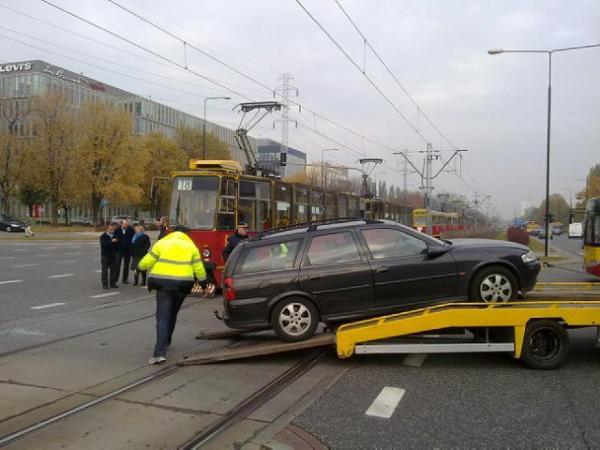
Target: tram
437, 222
212, 197
591, 237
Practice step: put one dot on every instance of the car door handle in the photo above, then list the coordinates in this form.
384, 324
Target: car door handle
382, 270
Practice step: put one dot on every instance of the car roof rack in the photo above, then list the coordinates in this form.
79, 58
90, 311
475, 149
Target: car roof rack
314, 224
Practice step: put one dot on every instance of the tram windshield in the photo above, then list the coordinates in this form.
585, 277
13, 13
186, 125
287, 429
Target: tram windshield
194, 201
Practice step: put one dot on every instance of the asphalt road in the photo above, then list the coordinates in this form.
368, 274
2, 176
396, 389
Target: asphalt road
569, 269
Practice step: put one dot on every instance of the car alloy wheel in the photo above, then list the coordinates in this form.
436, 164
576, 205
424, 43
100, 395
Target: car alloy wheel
495, 288
294, 319
8, 229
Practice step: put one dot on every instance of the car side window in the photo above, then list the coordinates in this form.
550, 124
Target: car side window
332, 249
389, 243
271, 256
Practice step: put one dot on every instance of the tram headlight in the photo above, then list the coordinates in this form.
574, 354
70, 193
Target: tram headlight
206, 253
529, 257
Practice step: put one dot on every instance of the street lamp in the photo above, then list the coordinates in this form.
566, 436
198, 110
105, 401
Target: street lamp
498, 51
323, 164
204, 122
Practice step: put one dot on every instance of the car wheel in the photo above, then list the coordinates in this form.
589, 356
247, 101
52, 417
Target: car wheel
546, 345
8, 229
493, 284
294, 319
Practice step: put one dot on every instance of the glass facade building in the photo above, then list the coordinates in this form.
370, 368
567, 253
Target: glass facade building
21, 81
268, 157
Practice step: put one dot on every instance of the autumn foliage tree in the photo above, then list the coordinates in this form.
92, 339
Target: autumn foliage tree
190, 140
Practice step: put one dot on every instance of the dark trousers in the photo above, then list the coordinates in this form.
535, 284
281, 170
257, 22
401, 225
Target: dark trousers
168, 304
125, 260
109, 264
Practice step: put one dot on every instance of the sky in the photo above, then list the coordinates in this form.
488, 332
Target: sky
493, 106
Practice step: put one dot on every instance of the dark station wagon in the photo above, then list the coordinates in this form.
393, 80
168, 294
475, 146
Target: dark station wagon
292, 279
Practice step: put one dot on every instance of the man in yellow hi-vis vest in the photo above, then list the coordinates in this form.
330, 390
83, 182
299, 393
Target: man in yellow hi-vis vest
173, 265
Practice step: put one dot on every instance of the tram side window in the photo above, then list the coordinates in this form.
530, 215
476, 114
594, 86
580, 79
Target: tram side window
226, 213
342, 206
300, 205
316, 205
330, 212
283, 205
353, 207
255, 204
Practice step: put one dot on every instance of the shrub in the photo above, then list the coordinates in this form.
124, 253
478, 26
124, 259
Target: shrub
518, 235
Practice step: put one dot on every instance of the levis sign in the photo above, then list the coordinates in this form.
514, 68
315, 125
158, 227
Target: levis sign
15, 67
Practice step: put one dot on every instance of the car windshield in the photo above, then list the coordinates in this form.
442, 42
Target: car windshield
194, 201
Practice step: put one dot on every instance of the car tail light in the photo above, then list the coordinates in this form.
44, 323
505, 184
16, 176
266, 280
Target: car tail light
228, 290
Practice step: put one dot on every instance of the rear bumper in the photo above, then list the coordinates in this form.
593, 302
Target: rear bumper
246, 314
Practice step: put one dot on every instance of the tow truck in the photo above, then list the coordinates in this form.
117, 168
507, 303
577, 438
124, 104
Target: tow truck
533, 331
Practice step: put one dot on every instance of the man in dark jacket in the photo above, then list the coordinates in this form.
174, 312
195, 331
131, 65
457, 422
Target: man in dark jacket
109, 248
140, 244
125, 234
240, 235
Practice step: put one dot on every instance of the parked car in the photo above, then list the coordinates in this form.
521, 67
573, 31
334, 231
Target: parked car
542, 233
150, 223
132, 220
9, 224
575, 230
557, 231
82, 222
291, 279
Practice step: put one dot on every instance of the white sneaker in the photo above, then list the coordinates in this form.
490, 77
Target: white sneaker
157, 360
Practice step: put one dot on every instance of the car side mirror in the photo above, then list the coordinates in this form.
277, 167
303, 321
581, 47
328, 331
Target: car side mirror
434, 251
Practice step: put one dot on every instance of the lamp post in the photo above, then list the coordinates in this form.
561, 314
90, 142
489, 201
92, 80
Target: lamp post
498, 51
204, 122
323, 164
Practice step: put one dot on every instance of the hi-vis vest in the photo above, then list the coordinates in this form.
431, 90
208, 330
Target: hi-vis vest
175, 257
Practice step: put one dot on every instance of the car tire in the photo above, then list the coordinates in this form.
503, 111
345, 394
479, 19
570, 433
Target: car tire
294, 319
546, 345
494, 284
8, 229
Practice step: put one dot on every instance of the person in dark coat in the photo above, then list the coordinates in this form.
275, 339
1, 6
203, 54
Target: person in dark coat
140, 244
162, 227
241, 234
125, 234
109, 249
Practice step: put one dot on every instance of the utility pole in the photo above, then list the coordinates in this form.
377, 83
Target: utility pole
426, 174
284, 91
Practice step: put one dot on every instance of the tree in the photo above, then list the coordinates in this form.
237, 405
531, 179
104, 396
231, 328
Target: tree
592, 186
559, 209
12, 151
53, 119
163, 157
107, 161
190, 140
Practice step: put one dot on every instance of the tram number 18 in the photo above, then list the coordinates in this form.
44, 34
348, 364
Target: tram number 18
184, 184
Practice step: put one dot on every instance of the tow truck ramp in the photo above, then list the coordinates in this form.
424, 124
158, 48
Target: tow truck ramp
533, 331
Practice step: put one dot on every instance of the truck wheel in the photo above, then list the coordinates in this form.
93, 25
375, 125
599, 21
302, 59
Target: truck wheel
493, 284
294, 319
546, 345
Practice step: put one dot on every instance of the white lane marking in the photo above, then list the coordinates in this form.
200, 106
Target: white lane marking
415, 360
49, 248
108, 294
42, 254
21, 249
62, 275
98, 271
7, 257
49, 305
18, 266
73, 253
96, 259
11, 281
24, 332
68, 261
386, 402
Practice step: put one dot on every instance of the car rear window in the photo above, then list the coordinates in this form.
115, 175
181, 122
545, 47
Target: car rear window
272, 256
332, 249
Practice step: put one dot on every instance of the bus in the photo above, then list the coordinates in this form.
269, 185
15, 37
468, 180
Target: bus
437, 222
532, 227
591, 237
212, 197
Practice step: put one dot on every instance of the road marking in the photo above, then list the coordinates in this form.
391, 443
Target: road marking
21, 249
42, 254
98, 271
24, 332
18, 266
7, 257
62, 275
73, 253
386, 402
49, 248
68, 261
96, 259
49, 305
11, 281
108, 294
415, 360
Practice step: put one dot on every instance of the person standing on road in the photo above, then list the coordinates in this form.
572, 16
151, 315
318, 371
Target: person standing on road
162, 227
174, 264
241, 234
125, 236
109, 248
140, 244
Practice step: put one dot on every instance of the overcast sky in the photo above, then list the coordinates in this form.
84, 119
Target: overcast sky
494, 106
